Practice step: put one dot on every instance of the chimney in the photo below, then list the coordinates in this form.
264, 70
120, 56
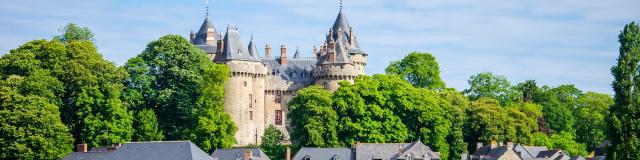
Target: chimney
478, 145
247, 154
494, 144
323, 49
352, 40
283, 54
192, 36
510, 145
315, 50
220, 46
267, 51
288, 154
81, 147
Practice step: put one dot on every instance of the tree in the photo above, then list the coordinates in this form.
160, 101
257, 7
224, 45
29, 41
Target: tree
146, 126
558, 106
529, 90
214, 127
566, 141
316, 121
272, 143
486, 122
363, 114
492, 86
421, 69
592, 110
30, 125
185, 90
89, 94
623, 123
73, 32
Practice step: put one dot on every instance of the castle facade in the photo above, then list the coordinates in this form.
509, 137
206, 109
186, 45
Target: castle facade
259, 88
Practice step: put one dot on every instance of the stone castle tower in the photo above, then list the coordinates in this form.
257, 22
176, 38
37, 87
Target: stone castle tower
259, 88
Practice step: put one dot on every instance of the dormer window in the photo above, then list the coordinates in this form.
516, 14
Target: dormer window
335, 157
307, 157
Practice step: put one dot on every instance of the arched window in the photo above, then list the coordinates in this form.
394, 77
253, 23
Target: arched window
307, 157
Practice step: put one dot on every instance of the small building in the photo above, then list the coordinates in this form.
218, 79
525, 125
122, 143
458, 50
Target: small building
307, 153
371, 151
169, 150
496, 151
240, 154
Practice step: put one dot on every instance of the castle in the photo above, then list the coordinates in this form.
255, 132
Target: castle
259, 88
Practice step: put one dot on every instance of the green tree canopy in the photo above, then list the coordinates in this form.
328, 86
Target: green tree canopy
185, 90
272, 143
592, 109
316, 121
30, 125
624, 127
492, 86
85, 87
73, 32
421, 69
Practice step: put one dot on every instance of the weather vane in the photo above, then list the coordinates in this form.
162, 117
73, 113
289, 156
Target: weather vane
340, 5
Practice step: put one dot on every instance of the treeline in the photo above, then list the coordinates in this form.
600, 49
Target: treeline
60, 92
412, 103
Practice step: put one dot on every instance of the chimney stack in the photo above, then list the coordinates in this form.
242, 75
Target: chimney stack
267, 51
283, 54
192, 36
247, 154
81, 147
510, 145
352, 40
494, 144
220, 45
339, 34
478, 145
288, 156
315, 50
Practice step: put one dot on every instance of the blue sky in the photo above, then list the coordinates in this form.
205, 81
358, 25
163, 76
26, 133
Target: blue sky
552, 41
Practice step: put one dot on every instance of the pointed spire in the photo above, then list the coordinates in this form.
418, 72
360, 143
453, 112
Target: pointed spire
297, 54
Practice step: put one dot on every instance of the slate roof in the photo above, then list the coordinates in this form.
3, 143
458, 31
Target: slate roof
238, 153
169, 150
234, 48
528, 151
367, 151
296, 70
253, 50
342, 23
201, 36
325, 153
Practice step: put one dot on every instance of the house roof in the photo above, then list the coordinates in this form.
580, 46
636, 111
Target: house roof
393, 150
528, 151
238, 153
324, 153
293, 69
169, 150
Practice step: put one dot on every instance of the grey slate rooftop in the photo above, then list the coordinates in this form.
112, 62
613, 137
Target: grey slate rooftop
169, 150
201, 35
238, 154
324, 154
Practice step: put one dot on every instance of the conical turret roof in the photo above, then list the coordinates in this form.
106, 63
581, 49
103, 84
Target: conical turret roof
201, 36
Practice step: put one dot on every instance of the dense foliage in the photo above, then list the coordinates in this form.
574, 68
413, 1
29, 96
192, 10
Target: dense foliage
623, 120
421, 69
184, 89
272, 143
316, 121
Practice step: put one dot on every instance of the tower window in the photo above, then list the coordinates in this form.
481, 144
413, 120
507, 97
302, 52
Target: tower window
245, 83
250, 100
278, 97
250, 115
278, 117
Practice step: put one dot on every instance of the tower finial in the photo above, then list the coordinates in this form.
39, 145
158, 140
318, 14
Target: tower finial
341, 5
207, 10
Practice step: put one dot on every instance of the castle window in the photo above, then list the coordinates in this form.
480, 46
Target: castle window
278, 97
278, 117
326, 85
245, 83
250, 115
301, 74
250, 100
